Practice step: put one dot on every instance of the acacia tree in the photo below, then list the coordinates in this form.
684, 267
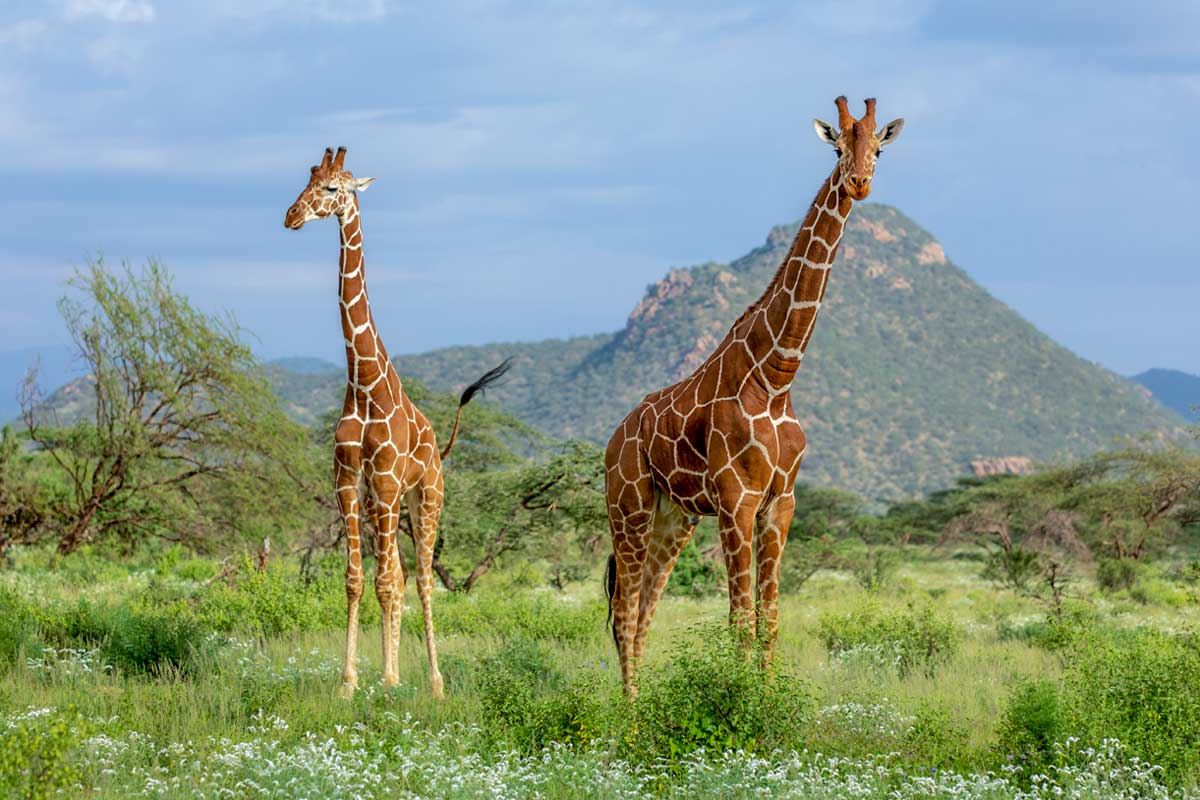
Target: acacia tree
549, 508
1138, 497
182, 438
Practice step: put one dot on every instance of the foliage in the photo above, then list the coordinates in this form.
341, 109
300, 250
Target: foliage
913, 638
550, 507
1138, 687
34, 747
1031, 725
183, 425
713, 697
694, 574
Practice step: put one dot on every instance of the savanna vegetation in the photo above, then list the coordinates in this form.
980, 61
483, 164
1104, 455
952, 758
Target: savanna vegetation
1023, 636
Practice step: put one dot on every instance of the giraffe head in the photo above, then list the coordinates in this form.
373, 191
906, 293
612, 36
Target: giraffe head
857, 144
330, 190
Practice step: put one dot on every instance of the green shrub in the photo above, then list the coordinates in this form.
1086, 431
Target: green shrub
936, 739
149, 640
917, 637
1139, 687
34, 747
132, 638
694, 575
712, 694
1031, 724
18, 625
509, 683
1116, 574
268, 603
1054, 633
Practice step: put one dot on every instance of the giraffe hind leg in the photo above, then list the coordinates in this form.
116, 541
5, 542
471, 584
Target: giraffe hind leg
670, 532
769, 541
389, 569
424, 508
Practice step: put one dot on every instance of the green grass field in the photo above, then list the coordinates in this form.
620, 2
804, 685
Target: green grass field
159, 681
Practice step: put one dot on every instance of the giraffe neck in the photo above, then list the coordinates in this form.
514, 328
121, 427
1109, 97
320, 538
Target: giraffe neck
793, 298
366, 358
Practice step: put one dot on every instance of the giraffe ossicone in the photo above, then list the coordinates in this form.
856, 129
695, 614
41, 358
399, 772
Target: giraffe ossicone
725, 441
381, 436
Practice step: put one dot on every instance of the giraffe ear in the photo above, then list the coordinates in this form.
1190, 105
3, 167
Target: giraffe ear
361, 184
890, 132
825, 132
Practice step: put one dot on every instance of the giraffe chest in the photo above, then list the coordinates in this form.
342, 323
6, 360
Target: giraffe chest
695, 453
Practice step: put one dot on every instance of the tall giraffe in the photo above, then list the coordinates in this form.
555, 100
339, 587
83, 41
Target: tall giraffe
724, 441
381, 435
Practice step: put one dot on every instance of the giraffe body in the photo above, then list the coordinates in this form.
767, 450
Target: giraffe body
382, 437
725, 441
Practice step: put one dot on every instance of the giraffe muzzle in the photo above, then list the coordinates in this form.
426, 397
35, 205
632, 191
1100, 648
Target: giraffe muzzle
294, 219
858, 188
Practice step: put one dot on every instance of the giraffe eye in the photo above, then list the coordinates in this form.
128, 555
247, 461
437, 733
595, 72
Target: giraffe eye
838, 150
878, 153
331, 189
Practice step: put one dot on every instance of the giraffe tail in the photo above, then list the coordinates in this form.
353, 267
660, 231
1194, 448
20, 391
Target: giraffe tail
478, 387
610, 591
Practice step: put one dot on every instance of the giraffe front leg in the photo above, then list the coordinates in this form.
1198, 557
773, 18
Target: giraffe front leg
347, 465
425, 507
773, 526
389, 570
736, 529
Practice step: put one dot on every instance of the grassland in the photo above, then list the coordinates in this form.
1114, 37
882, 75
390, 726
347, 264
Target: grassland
167, 679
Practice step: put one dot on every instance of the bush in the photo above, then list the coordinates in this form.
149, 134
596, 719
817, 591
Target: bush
1031, 724
1141, 688
134, 639
18, 625
1116, 574
917, 637
33, 753
275, 601
712, 695
528, 703
1054, 633
694, 575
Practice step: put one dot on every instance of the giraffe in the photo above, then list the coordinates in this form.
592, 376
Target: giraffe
381, 436
724, 441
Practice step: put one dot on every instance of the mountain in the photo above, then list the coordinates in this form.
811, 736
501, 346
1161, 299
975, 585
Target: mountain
915, 375
1176, 390
56, 364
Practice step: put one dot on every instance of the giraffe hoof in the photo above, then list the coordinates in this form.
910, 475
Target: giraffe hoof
346, 690
438, 687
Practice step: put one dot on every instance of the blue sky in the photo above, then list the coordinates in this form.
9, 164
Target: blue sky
538, 164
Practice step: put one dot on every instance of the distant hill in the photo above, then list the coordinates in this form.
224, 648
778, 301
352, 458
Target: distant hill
915, 376
1176, 390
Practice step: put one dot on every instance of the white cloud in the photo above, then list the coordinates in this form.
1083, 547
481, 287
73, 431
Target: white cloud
111, 10
22, 35
323, 10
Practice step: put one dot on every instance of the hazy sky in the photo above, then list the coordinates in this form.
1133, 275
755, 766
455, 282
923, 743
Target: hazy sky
538, 164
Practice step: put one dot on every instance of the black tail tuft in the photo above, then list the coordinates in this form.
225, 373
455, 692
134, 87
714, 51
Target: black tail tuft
487, 379
610, 590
